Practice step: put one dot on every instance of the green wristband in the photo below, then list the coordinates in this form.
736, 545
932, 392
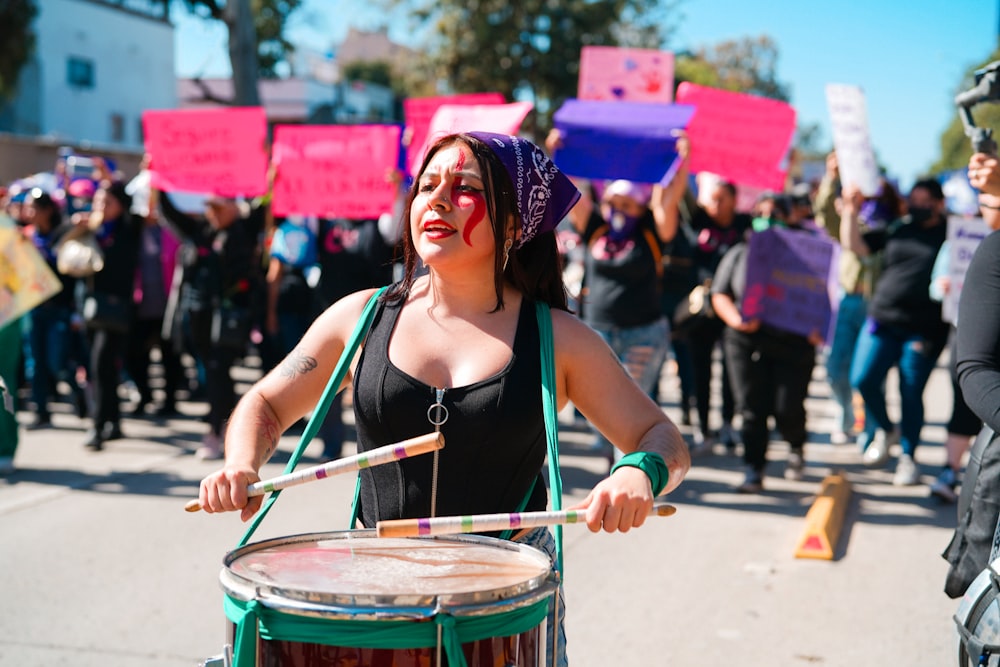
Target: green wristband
650, 463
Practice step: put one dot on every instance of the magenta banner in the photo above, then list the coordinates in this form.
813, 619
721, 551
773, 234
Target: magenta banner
417, 115
223, 151
335, 171
743, 138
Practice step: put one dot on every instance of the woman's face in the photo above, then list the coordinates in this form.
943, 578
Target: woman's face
106, 205
448, 216
720, 204
623, 203
39, 216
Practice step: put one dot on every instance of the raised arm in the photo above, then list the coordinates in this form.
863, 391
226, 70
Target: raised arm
665, 202
850, 229
579, 215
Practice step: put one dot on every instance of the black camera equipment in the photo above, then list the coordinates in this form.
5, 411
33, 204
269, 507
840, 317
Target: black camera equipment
987, 89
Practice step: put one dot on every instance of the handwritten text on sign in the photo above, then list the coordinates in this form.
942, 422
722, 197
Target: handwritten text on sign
964, 236
631, 75
335, 170
208, 150
791, 281
851, 138
743, 138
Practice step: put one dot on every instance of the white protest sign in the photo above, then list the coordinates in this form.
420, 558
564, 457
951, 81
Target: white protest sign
964, 236
851, 138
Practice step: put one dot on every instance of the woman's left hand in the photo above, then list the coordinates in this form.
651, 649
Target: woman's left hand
620, 502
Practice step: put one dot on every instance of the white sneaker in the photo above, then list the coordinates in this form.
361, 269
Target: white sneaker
944, 487
795, 465
878, 451
907, 473
841, 437
701, 445
211, 448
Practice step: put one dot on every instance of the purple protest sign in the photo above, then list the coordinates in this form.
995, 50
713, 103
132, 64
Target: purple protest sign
611, 140
791, 281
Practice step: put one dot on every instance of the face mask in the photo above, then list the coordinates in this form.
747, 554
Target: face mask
920, 215
622, 225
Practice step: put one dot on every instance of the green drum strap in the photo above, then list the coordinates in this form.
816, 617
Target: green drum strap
544, 315
252, 617
319, 414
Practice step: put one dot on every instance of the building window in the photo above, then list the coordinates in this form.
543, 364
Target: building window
117, 128
80, 72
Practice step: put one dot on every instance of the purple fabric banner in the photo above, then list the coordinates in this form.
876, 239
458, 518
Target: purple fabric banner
611, 140
792, 281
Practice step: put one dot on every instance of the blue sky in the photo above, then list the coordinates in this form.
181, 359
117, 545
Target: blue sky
908, 55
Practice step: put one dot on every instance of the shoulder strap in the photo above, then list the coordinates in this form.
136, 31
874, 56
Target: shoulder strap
319, 414
544, 315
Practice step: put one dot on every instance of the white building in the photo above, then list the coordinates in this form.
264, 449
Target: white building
98, 65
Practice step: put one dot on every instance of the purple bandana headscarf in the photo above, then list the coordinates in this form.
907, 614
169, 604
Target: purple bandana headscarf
544, 194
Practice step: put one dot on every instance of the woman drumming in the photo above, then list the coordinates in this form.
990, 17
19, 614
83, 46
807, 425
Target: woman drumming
481, 219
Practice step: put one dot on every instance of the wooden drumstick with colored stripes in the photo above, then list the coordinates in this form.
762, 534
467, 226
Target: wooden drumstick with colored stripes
483, 523
386, 454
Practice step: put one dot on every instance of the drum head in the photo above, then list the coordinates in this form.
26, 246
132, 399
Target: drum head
354, 570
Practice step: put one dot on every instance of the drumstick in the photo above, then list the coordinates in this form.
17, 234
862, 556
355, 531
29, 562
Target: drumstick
386, 454
482, 523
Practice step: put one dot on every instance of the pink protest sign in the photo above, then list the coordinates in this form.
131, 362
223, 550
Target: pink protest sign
499, 118
418, 112
743, 138
335, 170
208, 150
630, 75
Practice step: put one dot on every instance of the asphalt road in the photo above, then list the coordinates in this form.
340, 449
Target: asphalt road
101, 566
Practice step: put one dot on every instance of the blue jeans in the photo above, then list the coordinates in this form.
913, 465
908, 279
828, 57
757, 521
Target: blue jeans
48, 339
850, 320
879, 348
642, 351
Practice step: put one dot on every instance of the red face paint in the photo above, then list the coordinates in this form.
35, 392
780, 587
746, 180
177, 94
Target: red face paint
466, 198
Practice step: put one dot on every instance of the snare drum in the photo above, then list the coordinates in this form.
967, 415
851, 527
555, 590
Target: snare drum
350, 598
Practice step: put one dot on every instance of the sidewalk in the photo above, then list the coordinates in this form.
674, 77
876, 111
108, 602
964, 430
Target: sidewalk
103, 567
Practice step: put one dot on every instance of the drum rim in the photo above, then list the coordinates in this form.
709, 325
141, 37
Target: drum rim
971, 603
352, 606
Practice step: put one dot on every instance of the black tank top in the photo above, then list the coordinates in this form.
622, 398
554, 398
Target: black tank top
494, 436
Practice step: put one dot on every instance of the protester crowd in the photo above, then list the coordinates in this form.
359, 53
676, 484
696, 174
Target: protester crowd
664, 281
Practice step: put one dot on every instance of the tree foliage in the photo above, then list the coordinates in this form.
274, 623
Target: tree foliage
956, 149
529, 49
257, 41
17, 42
746, 65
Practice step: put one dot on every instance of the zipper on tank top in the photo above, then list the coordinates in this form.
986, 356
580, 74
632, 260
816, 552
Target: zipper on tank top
437, 415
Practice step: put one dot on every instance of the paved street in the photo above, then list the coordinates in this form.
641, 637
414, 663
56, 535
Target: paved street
101, 566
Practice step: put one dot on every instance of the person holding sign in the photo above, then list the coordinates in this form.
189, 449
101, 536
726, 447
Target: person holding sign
769, 367
221, 277
904, 326
623, 236
857, 282
463, 340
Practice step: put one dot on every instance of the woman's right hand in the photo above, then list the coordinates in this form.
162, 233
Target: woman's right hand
226, 491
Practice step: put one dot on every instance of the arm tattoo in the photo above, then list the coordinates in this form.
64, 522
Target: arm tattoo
297, 363
268, 428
